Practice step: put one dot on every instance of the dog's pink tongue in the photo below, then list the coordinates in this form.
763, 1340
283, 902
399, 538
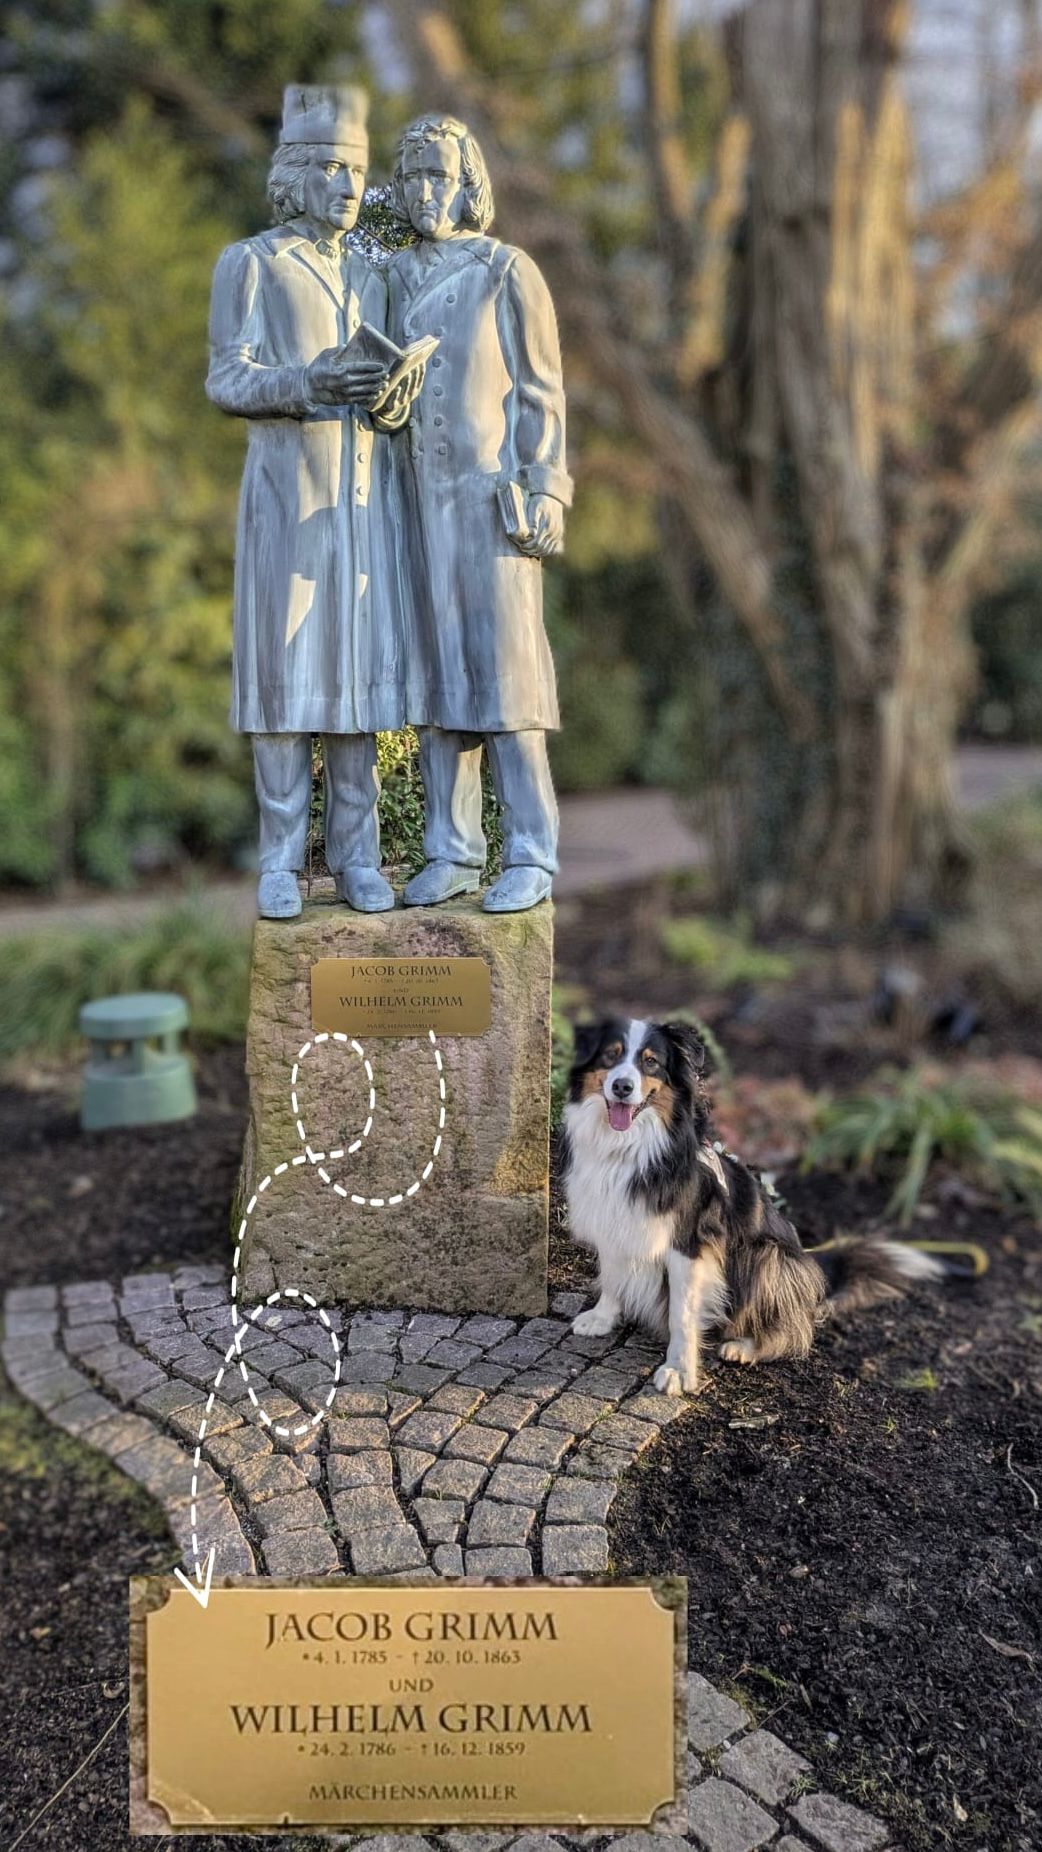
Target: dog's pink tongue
620, 1117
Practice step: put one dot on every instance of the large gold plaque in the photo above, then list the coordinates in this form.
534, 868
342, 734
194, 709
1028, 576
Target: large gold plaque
354, 1704
401, 996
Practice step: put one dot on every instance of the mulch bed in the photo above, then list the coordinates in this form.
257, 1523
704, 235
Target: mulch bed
862, 1550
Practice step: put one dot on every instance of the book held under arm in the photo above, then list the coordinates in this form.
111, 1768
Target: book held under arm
514, 510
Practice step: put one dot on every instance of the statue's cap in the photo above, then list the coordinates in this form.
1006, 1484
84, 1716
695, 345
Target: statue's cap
328, 115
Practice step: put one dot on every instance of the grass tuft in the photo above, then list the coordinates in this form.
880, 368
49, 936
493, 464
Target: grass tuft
908, 1123
45, 978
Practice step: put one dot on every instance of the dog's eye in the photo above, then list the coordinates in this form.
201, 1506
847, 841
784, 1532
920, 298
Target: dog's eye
649, 1063
612, 1054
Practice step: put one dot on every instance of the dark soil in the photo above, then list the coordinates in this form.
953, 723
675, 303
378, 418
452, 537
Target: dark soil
862, 1554
863, 1560
84, 1206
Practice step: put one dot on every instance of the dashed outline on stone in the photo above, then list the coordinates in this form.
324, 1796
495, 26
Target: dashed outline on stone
318, 1159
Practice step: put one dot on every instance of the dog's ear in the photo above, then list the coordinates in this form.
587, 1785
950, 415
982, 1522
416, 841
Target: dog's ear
588, 1038
690, 1050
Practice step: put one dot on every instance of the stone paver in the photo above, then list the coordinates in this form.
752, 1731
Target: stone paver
440, 1518
579, 1501
475, 1443
493, 1524
391, 1546
711, 1717
538, 1446
499, 1562
345, 1470
478, 1446
765, 1766
301, 1552
519, 1485
835, 1826
455, 1479
723, 1819
575, 1549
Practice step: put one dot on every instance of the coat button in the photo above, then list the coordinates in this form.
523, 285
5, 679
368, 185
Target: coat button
439, 392
443, 450
439, 421
436, 362
450, 298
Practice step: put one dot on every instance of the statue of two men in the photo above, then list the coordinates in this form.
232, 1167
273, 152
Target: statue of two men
389, 547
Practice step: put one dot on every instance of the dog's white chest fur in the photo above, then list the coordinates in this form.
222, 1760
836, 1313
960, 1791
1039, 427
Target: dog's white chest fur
631, 1243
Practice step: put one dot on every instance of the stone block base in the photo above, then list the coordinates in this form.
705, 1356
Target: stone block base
473, 1236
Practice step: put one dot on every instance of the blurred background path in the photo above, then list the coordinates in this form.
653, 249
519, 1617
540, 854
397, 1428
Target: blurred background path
608, 838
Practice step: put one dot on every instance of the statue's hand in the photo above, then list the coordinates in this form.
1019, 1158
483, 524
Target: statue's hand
546, 522
334, 380
405, 393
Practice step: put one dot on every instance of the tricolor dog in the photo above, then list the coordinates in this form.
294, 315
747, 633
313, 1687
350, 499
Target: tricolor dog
687, 1239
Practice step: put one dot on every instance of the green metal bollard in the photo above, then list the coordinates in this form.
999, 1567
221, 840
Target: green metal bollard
127, 1081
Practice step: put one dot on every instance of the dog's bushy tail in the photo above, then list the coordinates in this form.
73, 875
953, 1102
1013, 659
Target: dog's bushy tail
865, 1271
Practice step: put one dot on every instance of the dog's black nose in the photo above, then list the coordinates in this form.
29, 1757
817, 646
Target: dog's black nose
622, 1089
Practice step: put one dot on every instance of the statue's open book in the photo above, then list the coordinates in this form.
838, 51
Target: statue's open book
367, 343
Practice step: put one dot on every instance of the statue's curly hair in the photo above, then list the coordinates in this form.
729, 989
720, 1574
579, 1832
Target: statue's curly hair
289, 164
478, 206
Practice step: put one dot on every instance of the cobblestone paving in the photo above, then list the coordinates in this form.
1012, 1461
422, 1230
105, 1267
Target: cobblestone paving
463, 1445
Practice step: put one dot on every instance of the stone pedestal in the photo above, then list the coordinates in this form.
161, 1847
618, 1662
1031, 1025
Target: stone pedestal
473, 1236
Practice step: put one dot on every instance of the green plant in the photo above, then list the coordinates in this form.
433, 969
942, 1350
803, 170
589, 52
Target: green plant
401, 800
908, 1122
189, 948
724, 954
402, 806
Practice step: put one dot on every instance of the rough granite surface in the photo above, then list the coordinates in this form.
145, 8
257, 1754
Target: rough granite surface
474, 1236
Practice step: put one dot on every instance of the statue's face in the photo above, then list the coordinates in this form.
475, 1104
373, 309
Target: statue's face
333, 189
433, 188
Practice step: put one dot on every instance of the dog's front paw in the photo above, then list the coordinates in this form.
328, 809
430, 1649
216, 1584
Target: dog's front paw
738, 1350
667, 1380
592, 1324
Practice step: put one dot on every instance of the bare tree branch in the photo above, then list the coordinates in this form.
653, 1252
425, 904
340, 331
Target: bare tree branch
703, 340
670, 174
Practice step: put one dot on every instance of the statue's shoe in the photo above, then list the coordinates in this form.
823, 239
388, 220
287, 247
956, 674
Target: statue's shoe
365, 890
440, 881
278, 895
518, 889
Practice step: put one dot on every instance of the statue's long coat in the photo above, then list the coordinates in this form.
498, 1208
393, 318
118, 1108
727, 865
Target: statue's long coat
318, 643
491, 410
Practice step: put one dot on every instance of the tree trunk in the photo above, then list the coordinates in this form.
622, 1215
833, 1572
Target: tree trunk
831, 230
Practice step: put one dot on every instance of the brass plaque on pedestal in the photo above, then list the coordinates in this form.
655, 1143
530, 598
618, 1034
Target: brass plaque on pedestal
356, 1704
401, 996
